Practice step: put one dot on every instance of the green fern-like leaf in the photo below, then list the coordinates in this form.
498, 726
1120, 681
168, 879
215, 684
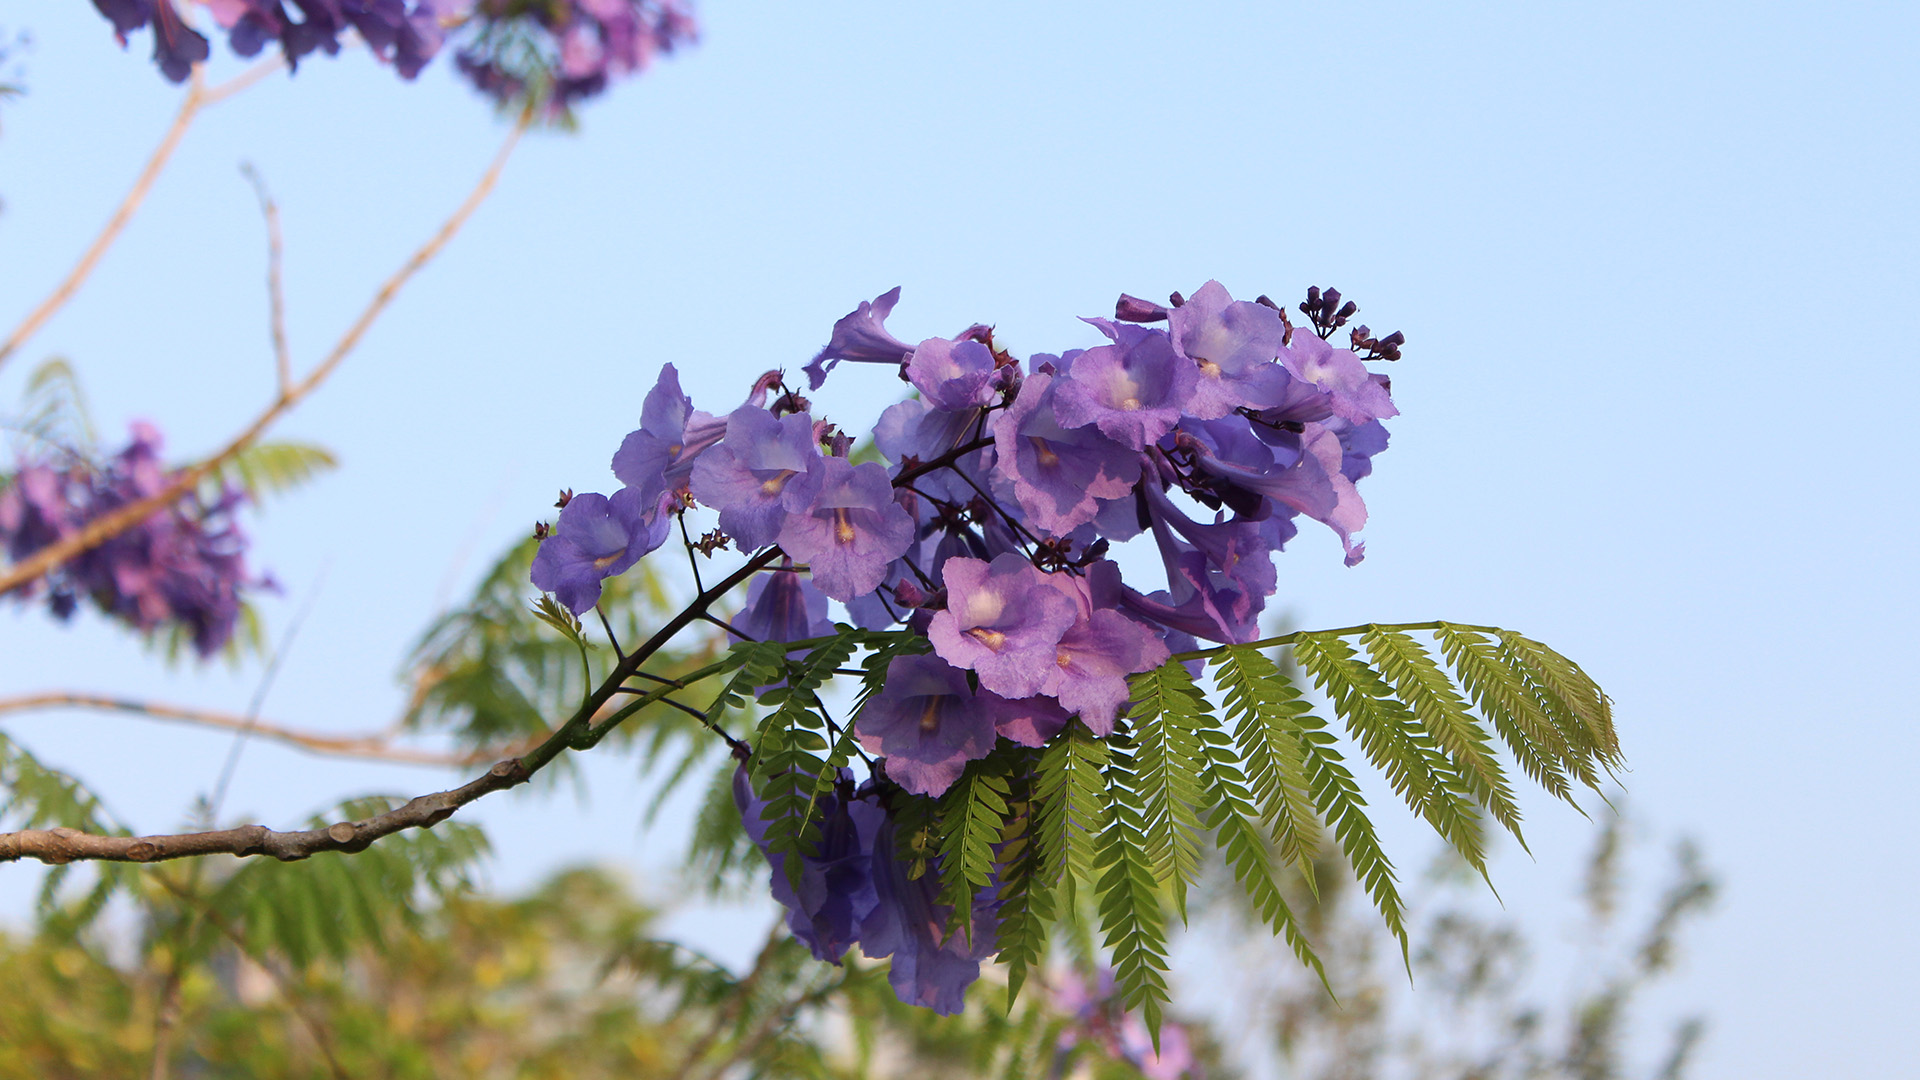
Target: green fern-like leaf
1168, 712
1072, 808
272, 468
1336, 795
1504, 698
1266, 711
1429, 694
1396, 742
1027, 896
973, 815
1566, 689
1133, 925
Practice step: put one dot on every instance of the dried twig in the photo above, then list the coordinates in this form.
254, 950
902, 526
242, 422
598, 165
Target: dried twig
276, 298
371, 746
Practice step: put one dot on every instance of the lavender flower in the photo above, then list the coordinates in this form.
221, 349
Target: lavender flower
1003, 621
931, 966
1096, 654
597, 538
843, 522
1353, 393
1233, 344
746, 476
952, 374
782, 605
928, 723
1058, 475
661, 455
861, 336
1134, 390
836, 889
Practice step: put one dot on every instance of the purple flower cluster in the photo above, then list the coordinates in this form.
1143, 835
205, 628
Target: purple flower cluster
564, 51
402, 33
987, 533
185, 566
561, 51
855, 889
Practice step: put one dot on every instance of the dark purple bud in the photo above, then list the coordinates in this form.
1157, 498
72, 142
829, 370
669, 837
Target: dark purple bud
1133, 309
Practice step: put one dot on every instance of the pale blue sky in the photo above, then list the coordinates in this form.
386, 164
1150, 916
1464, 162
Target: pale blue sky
1654, 263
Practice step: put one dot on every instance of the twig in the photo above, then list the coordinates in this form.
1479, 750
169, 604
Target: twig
198, 97
244, 80
182, 120
276, 298
681, 705
104, 528
612, 639
580, 731
374, 746
254, 706
58, 846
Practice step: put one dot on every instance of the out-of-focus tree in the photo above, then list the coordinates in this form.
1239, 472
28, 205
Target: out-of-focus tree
1466, 1004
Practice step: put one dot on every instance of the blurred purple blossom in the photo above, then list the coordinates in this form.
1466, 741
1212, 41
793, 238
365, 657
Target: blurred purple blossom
186, 565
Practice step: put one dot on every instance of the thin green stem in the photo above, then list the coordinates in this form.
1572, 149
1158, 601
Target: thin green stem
1344, 631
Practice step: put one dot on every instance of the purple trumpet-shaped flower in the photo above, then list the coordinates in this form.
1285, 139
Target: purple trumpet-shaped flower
1003, 621
673, 435
861, 336
932, 966
1238, 551
1134, 390
1353, 394
928, 723
953, 375
1358, 445
1097, 653
597, 538
1233, 344
1302, 472
1200, 599
844, 524
782, 605
836, 890
1059, 475
747, 475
